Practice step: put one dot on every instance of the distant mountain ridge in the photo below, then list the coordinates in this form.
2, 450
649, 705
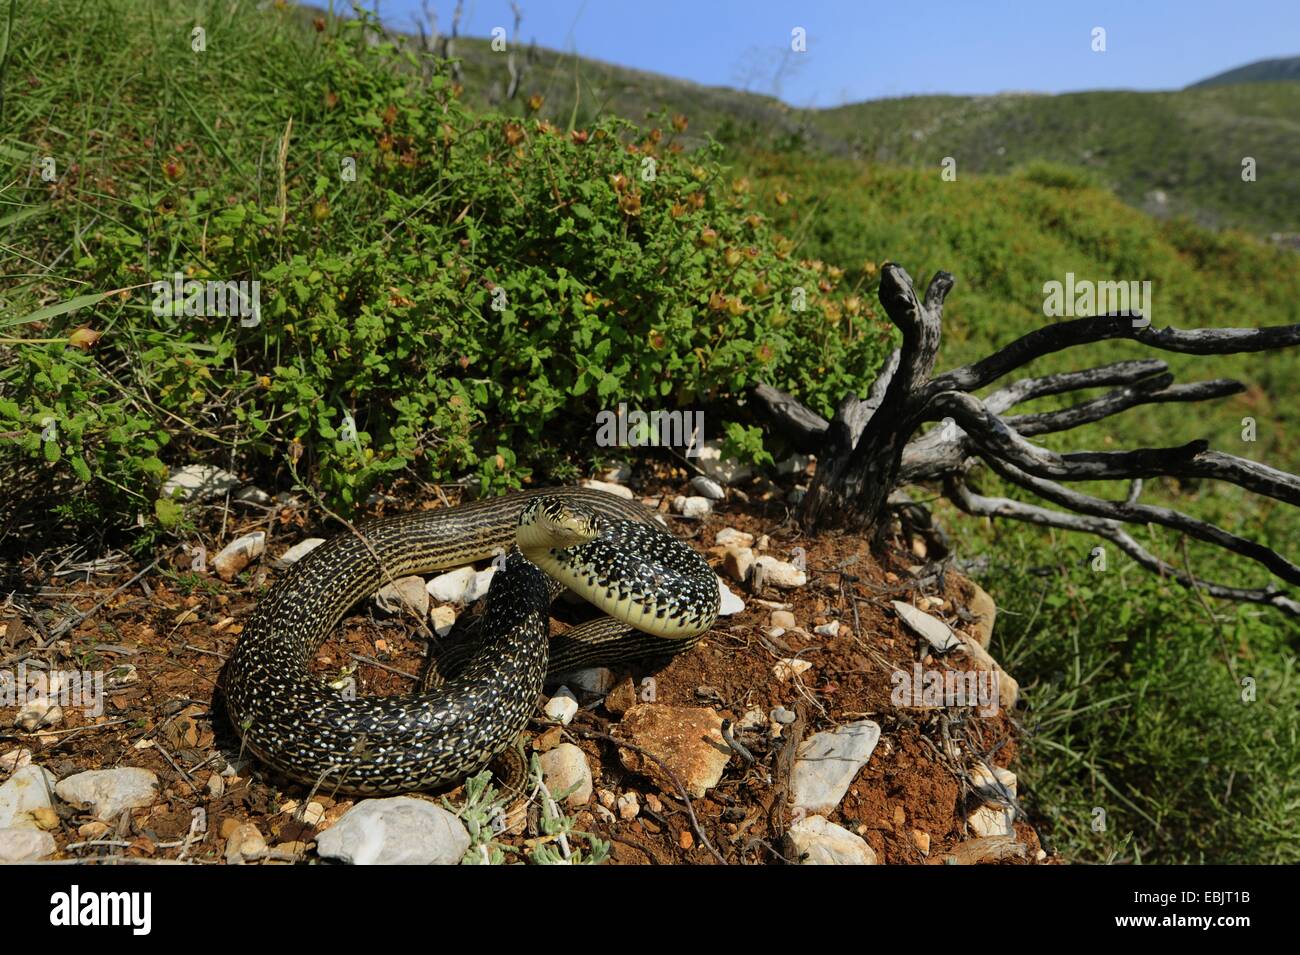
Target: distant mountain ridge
1285, 68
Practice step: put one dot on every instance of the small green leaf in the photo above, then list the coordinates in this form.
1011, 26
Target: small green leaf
169, 512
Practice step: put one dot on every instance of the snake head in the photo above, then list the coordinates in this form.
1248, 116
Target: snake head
554, 523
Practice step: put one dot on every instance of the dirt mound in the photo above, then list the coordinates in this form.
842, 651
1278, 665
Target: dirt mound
161, 642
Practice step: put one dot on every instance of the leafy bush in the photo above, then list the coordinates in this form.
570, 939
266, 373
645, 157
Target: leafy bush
1056, 175
468, 302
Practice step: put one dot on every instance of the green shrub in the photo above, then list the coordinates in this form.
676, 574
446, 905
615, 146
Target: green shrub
468, 303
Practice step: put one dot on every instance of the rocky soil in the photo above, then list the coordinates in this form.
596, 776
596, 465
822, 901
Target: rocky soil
847, 709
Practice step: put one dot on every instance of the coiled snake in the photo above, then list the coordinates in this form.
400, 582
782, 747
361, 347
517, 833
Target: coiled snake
660, 594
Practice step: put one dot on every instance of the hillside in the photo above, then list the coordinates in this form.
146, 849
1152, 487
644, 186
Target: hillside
1170, 154
1261, 71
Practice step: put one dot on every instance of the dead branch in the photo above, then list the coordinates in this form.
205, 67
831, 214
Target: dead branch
868, 448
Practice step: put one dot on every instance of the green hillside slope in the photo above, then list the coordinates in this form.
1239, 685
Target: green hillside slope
1261, 71
1167, 153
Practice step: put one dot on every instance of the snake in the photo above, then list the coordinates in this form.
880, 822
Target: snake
659, 596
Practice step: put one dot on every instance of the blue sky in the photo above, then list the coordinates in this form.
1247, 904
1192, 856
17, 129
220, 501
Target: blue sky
868, 49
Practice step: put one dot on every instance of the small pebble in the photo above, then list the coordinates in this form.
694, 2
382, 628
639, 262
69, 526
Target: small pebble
45, 817
790, 668
628, 806
562, 707
921, 840
443, 619
730, 537
692, 506
609, 488
707, 488
245, 844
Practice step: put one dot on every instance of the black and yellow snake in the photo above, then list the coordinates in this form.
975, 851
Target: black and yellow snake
660, 594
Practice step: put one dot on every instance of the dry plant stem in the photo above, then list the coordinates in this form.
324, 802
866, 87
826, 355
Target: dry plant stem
672, 776
868, 448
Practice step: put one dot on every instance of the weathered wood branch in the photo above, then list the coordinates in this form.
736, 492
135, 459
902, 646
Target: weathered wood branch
1118, 373
855, 475
1155, 390
1085, 331
1113, 531
1191, 460
1131, 512
800, 426
868, 449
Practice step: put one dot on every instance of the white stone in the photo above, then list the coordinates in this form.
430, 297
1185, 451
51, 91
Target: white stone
692, 506
405, 595
245, 844
252, 494
562, 707
818, 841
300, 550
935, 631
794, 464
738, 563
993, 783
199, 482
400, 830
450, 588
779, 573
566, 767
15, 760
831, 629
443, 619
711, 463
609, 488
481, 585
730, 537
25, 845
238, 554
707, 487
783, 619
628, 807
789, 668
38, 712
596, 680
827, 764
26, 790
107, 792
990, 820
731, 604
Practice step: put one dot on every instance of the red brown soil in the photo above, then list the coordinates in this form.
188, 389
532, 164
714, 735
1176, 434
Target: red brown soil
176, 629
